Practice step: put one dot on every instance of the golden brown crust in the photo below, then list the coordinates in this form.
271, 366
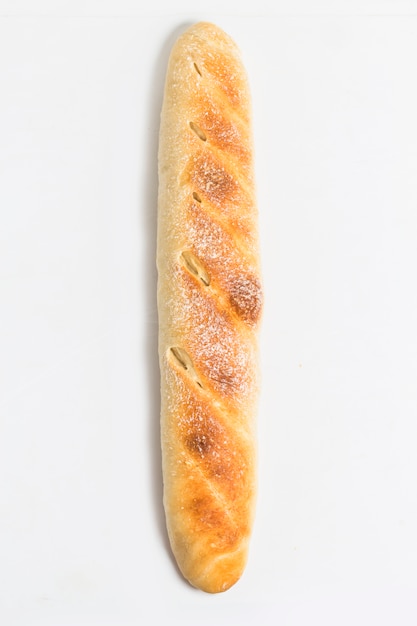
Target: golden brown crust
209, 303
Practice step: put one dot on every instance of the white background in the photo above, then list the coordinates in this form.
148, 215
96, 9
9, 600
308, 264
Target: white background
82, 535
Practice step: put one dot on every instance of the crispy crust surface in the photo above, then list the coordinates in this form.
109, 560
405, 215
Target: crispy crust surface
209, 305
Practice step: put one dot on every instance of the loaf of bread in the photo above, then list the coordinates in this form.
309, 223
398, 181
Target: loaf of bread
209, 307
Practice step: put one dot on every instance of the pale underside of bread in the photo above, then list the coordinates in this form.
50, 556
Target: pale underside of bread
209, 306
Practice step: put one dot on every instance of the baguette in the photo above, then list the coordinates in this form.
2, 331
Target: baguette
209, 307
